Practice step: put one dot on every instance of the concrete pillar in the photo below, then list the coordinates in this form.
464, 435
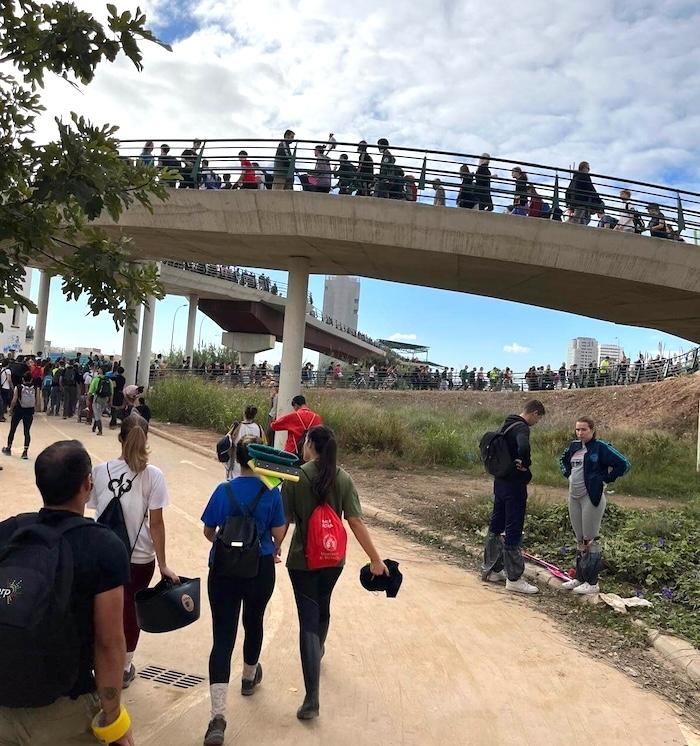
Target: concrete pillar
293, 337
247, 345
42, 312
191, 324
130, 349
149, 316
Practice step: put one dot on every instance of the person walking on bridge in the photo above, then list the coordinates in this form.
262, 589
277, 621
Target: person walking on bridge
482, 184
581, 196
503, 560
589, 464
283, 162
365, 170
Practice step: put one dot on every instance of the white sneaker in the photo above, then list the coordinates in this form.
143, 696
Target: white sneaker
521, 586
497, 577
571, 584
586, 588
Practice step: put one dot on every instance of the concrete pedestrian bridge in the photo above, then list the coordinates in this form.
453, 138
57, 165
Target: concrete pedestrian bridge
610, 275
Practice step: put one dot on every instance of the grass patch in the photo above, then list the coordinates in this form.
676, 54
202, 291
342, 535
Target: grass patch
390, 428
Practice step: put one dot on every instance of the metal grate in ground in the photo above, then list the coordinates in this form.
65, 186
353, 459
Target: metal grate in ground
178, 679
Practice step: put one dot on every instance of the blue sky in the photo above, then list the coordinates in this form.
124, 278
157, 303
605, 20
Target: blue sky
430, 74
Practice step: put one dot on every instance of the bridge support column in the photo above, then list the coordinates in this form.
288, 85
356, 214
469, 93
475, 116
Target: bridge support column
130, 349
42, 312
149, 317
247, 345
293, 337
191, 324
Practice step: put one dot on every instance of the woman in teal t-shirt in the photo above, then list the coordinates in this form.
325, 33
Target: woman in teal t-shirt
321, 481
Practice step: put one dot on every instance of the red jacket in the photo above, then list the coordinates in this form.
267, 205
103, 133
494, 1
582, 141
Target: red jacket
296, 423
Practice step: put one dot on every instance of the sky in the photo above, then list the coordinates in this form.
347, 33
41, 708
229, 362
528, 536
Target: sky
614, 82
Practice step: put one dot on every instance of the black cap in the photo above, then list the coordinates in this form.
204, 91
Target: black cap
389, 583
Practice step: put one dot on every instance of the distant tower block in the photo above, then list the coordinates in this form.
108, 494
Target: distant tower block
341, 301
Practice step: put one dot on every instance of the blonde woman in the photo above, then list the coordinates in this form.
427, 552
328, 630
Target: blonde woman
140, 489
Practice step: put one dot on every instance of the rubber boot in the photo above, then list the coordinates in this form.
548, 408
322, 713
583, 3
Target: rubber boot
322, 634
310, 646
493, 555
513, 562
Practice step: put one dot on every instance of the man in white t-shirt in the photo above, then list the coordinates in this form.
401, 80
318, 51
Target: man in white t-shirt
5, 390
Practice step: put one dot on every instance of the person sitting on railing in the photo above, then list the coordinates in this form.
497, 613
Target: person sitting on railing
630, 220
209, 179
581, 195
227, 182
189, 158
605, 220
146, 155
482, 184
318, 180
170, 162
411, 190
247, 178
365, 170
282, 178
264, 180
465, 198
520, 196
273, 289
346, 173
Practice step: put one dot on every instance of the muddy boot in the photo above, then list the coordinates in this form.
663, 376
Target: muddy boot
493, 556
513, 562
310, 645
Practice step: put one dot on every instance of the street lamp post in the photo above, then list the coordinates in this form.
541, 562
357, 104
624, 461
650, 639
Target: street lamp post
199, 337
172, 333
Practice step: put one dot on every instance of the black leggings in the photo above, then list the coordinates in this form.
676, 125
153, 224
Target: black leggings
25, 415
312, 591
225, 598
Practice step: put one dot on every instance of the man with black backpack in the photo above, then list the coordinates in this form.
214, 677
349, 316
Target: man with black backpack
62, 580
68, 382
506, 456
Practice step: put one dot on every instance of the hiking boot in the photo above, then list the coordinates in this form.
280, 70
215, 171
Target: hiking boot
571, 584
309, 710
248, 685
497, 577
24, 455
7, 451
215, 731
521, 586
129, 676
586, 589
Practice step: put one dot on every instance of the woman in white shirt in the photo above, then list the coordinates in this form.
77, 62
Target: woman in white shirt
247, 427
141, 491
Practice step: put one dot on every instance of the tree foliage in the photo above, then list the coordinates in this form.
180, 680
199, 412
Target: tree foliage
50, 192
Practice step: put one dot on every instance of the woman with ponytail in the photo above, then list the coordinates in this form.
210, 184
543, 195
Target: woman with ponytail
322, 481
140, 489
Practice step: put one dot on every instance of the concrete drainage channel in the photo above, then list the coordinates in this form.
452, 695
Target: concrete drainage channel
679, 653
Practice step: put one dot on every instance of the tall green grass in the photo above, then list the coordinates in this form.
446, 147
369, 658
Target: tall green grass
408, 430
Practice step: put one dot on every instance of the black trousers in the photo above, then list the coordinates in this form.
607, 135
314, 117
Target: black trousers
26, 417
509, 507
312, 591
226, 596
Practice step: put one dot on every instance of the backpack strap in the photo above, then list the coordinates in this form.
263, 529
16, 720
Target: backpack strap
510, 427
248, 511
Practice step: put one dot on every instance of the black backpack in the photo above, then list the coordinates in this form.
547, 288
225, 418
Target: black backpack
40, 643
223, 446
237, 543
69, 376
104, 388
113, 515
495, 453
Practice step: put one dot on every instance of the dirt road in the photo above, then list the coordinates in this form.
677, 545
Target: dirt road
450, 661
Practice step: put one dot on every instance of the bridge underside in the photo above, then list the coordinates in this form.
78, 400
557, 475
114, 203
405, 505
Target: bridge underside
619, 277
259, 318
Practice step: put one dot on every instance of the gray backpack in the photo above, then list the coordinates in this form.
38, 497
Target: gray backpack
27, 398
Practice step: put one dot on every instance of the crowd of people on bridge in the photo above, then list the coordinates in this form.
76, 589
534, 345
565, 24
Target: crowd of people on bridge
388, 179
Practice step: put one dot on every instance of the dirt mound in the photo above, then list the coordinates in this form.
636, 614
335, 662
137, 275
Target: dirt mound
670, 405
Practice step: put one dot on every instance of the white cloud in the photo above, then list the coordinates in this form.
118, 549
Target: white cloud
399, 337
516, 349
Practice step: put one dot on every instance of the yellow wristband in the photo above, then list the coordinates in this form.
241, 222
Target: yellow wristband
114, 731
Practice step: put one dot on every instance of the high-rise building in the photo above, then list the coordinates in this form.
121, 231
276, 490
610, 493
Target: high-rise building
341, 301
582, 351
613, 352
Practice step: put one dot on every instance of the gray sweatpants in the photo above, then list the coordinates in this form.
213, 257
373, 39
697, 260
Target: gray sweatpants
586, 517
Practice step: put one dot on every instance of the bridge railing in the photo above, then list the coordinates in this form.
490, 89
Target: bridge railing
467, 179
618, 374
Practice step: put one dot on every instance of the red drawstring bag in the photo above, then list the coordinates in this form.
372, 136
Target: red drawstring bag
326, 538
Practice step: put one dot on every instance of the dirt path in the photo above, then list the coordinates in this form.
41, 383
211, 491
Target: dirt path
449, 661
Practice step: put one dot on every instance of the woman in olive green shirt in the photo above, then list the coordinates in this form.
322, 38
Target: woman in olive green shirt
321, 481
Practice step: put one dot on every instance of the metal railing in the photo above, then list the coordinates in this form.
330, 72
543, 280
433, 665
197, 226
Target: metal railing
263, 283
424, 378
413, 174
